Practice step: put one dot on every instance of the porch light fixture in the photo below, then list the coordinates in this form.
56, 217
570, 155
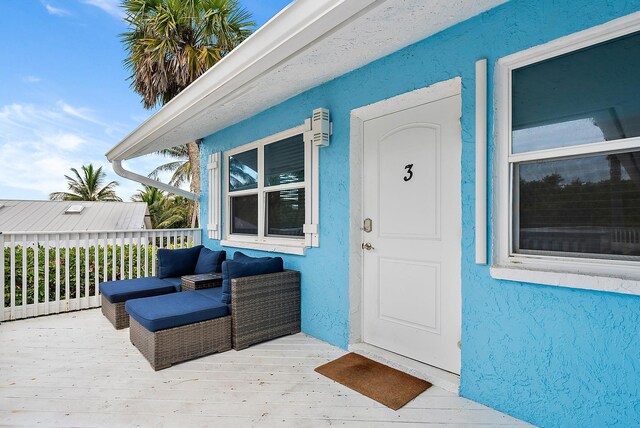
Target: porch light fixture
321, 127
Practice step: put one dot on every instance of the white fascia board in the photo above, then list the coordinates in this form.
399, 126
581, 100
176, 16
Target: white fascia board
294, 28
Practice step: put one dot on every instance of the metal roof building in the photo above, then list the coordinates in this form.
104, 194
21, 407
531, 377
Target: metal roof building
72, 216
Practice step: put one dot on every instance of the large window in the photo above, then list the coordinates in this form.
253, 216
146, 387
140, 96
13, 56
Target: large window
268, 186
569, 159
570, 197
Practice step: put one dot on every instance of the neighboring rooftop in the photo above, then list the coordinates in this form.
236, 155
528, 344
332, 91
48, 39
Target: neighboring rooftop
67, 216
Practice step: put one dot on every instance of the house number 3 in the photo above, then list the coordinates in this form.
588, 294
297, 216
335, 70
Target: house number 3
409, 175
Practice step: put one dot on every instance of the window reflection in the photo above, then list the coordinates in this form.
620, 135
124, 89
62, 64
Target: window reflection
587, 96
589, 205
244, 215
284, 161
243, 170
286, 212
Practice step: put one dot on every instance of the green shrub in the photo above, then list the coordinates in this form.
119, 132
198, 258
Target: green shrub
78, 269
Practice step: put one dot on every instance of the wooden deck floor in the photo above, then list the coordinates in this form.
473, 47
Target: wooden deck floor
76, 370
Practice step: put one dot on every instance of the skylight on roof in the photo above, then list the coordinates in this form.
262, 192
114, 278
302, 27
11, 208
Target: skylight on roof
74, 209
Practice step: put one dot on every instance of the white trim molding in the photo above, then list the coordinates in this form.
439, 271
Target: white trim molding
215, 197
481, 162
619, 276
359, 116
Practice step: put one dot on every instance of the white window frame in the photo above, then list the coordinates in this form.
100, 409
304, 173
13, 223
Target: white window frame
293, 245
621, 276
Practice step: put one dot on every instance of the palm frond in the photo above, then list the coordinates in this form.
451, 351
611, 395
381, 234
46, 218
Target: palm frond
87, 186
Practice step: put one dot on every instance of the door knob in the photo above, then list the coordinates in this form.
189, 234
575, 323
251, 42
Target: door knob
367, 246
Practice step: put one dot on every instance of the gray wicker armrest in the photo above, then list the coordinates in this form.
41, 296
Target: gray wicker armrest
264, 307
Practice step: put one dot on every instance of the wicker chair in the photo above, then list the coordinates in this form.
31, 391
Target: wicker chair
263, 307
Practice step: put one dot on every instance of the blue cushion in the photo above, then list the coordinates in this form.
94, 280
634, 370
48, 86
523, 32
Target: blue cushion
234, 269
176, 282
243, 258
123, 290
174, 263
211, 293
210, 261
174, 310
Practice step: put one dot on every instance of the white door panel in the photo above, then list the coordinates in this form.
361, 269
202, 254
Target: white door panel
412, 195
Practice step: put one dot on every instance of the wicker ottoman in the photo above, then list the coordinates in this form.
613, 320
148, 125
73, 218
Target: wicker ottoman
166, 347
115, 313
116, 293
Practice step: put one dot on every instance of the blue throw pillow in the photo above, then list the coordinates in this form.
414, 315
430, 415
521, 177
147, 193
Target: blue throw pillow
234, 269
243, 258
174, 263
210, 261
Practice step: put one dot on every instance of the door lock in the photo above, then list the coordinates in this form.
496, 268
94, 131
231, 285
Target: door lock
367, 246
368, 225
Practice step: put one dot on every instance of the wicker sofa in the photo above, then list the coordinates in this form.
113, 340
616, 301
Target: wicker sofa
169, 329
171, 266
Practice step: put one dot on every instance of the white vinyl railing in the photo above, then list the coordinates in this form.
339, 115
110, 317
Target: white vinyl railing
44, 273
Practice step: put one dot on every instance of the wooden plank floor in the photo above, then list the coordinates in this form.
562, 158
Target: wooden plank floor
74, 369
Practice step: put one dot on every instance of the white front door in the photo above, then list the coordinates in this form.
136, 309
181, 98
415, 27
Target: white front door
411, 189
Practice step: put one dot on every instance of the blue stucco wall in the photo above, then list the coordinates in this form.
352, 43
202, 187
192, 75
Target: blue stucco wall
549, 355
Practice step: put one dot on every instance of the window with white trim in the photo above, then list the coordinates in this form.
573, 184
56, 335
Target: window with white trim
268, 193
569, 168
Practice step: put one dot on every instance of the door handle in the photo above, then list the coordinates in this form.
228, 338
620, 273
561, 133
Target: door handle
367, 246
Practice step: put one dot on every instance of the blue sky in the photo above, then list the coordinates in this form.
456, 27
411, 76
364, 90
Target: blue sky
64, 97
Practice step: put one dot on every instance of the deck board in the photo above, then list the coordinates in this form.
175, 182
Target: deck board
75, 369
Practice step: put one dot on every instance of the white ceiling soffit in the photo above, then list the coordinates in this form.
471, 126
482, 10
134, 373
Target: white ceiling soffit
308, 43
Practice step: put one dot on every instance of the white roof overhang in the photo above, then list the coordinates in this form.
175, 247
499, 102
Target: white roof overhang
308, 43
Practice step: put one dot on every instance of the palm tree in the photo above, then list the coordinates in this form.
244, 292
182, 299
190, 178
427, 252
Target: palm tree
173, 42
175, 214
87, 187
180, 168
166, 211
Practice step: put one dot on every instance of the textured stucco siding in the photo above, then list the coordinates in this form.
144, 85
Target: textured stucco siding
549, 355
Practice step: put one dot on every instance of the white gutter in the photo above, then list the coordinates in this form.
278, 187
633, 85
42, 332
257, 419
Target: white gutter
119, 169
294, 28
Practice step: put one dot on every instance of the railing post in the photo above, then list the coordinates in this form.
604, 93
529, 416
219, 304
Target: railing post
2, 283
12, 277
36, 275
25, 257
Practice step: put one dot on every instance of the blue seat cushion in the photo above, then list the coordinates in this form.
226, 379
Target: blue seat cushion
210, 261
214, 293
175, 263
123, 290
234, 269
243, 258
176, 282
173, 310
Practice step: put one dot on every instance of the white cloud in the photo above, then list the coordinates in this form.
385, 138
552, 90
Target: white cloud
78, 112
112, 7
39, 144
56, 10
31, 79
62, 140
